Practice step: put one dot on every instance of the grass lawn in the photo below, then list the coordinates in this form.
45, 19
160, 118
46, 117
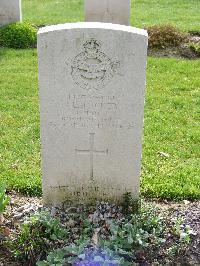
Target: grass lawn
182, 13
171, 118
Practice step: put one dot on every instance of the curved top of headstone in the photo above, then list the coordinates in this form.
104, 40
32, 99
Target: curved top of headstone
92, 25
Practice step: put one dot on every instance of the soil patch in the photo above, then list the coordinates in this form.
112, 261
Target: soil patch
182, 51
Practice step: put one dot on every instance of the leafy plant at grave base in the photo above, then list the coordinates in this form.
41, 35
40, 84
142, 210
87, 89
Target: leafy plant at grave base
183, 235
82, 253
195, 47
87, 229
39, 234
129, 204
18, 35
144, 234
127, 241
68, 253
162, 36
4, 199
182, 232
144, 230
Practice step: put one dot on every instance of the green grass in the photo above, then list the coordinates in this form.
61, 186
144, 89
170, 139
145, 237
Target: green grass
19, 120
47, 12
172, 116
171, 123
182, 13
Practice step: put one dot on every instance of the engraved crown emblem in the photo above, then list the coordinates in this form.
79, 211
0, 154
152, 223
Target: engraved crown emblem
92, 44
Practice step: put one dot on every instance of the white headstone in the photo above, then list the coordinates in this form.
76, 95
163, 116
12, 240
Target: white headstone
10, 11
92, 84
109, 11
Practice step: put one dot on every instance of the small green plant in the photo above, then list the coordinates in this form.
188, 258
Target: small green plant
18, 35
143, 231
162, 36
83, 254
4, 199
40, 233
182, 232
66, 254
195, 47
130, 205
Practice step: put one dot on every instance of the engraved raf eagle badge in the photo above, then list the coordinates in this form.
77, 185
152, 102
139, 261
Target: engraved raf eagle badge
92, 69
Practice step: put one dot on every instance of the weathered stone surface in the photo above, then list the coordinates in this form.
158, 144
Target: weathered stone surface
109, 11
10, 11
92, 83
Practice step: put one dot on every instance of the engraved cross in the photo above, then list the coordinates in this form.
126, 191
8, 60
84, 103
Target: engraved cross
91, 152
